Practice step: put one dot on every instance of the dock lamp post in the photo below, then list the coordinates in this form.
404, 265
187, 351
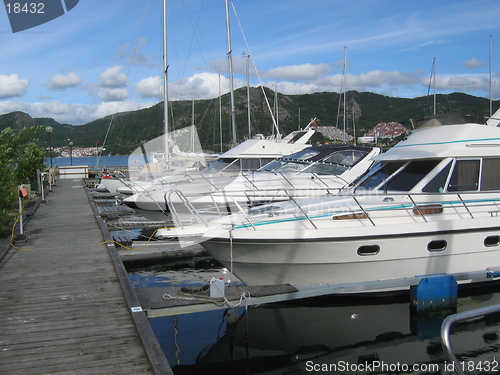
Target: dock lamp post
49, 130
71, 152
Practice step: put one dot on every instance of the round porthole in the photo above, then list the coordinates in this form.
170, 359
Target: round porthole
368, 250
492, 241
437, 245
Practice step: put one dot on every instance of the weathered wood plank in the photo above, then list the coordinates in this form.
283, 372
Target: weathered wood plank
62, 307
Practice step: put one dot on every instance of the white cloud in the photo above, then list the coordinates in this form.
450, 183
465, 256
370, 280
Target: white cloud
299, 72
109, 94
202, 85
472, 63
206, 85
61, 82
150, 87
113, 78
12, 86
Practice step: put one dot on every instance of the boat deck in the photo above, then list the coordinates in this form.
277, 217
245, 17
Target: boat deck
66, 304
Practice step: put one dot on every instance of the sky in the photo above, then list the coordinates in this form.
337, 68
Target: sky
104, 57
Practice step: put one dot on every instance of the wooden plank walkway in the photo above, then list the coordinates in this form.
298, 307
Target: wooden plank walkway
62, 306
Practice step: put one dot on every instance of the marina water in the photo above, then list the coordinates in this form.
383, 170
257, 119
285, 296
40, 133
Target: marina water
91, 161
351, 335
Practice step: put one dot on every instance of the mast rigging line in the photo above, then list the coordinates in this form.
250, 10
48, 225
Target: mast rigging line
432, 79
111, 122
256, 71
194, 23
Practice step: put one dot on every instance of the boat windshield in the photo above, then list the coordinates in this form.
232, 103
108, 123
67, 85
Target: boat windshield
335, 163
292, 166
233, 164
222, 164
347, 157
302, 155
397, 175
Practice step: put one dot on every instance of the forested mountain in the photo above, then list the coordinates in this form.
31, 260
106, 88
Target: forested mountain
123, 132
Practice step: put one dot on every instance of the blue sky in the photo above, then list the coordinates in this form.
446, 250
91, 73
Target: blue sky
104, 57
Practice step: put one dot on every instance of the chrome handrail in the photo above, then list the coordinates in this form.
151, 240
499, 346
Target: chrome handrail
288, 194
452, 319
186, 202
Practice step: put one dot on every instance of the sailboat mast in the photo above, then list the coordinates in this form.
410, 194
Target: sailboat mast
491, 87
220, 116
345, 93
165, 88
277, 114
193, 124
248, 96
434, 84
231, 84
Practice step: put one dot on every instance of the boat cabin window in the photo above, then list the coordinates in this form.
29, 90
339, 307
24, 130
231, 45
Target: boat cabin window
490, 174
254, 164
222, 164
438, 183
465, 176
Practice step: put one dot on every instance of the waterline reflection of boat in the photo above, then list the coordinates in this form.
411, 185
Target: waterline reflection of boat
287, 337
429, 206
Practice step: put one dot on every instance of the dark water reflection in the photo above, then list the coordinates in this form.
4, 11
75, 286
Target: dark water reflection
325, 335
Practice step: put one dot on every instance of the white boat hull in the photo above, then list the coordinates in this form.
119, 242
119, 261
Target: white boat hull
320, 258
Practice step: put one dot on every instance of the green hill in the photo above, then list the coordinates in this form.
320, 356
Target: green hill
124, 132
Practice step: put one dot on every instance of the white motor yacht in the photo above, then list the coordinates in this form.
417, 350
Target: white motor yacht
246, 157
431, 205
320, 168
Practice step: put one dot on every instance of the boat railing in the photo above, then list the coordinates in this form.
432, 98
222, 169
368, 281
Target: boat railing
461, 366
421, 207
186, 203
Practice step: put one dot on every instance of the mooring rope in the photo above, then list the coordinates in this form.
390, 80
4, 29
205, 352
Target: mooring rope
130, 248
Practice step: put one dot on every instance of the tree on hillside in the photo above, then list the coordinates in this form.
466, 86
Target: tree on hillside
20, 158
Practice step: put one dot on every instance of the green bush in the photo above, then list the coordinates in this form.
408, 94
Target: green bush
20, 158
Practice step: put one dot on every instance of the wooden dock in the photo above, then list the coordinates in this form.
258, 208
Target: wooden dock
67, 306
